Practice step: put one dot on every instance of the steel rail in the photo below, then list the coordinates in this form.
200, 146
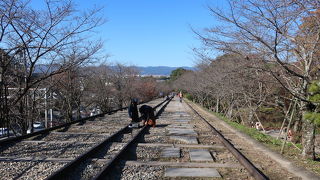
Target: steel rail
60, 174
253, 171
47, 130
65, 170
107, 168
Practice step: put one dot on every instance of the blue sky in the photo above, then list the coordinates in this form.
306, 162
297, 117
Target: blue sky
152, 32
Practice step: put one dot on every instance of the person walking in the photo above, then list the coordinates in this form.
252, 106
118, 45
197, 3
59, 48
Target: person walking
180, 96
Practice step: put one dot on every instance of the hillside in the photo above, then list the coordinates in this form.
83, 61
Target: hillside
148, 70
159, 70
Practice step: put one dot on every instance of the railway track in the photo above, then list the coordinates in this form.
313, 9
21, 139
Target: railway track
184, 144
43, 154
170, 151
254, 171
73, 169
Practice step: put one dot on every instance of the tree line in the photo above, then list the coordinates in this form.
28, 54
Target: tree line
268, 62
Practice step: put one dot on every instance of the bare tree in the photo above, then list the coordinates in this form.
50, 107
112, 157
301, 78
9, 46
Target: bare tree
30, 38
123, 79
273, 30
145, 89
100, 87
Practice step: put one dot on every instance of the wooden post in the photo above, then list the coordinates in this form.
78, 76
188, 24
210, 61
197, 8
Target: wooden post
288, 127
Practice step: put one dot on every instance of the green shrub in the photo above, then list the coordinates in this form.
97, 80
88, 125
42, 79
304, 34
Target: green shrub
188, 96
312, 117
314, 87
314, 90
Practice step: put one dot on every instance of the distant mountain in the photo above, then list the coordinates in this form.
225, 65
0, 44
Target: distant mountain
159, 70
43, 68
149, 70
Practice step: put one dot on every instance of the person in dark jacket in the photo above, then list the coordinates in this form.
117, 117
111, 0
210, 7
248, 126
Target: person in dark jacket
147, 115
133, 112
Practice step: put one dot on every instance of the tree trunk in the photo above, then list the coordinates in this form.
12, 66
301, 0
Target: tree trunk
69, 117
308, 134
296, 126
217, 105
308, 139
250, 117
230, 111
78, 109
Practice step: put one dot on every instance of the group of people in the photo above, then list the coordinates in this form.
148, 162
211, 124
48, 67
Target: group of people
147, 114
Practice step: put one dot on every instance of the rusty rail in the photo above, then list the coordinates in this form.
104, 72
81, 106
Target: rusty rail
253, 171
